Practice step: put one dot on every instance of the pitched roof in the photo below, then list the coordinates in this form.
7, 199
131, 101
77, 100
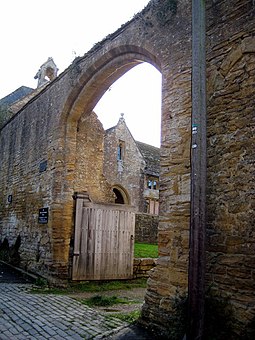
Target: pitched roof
16, 95
110, 129
151, 155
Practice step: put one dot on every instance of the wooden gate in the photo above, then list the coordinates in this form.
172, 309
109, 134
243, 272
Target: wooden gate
103, 241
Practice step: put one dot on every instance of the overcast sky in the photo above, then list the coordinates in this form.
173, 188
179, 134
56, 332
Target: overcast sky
33, 30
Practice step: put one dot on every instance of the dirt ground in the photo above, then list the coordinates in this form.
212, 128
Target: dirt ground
134, 296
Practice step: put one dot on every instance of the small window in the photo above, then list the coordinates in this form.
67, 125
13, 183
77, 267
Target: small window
154, 185
120, 151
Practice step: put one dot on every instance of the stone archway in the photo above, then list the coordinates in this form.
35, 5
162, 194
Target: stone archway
89, 78
122, 196
94, 74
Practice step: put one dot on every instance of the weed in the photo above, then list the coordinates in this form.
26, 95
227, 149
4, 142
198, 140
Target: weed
130, 317
178, 320
95, 286
104, 301
5, 250
218, 318
166, 11
41, 282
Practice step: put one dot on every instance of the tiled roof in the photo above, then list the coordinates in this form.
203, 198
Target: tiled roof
110, 129
151, 155
16, 95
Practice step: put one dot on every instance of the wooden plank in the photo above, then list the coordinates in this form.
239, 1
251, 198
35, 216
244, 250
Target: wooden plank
92, 256
77, 235
196, 290
97, 250
84, 243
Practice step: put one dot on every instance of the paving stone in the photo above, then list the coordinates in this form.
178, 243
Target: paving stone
31, 316
14, 331
57, 337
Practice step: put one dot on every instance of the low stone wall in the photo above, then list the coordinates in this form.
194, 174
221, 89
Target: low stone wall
146, 228
142, 266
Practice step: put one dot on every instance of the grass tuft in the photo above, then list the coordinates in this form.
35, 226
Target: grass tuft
94, 286
104, 301
130, 317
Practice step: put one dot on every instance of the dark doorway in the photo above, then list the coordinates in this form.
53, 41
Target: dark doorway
119, 198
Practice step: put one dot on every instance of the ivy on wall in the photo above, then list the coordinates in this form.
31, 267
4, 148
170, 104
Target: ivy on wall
4, 115
165, 11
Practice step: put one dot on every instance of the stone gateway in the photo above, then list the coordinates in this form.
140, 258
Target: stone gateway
53, 129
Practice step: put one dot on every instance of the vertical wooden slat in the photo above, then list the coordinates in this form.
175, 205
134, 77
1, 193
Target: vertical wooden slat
84, 241
77, 235
98, 230
78, 224
103, 260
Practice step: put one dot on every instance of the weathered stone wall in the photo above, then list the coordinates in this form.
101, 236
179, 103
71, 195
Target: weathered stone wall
146, 228
142, 267
25, 143
169, 279
230, 106
90, 160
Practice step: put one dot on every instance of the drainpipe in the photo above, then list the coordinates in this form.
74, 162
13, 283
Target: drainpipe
196, 286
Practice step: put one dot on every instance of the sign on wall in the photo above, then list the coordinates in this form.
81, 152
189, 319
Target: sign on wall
43, 215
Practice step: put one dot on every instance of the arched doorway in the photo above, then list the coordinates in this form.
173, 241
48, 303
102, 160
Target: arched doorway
83, 149
119, 198
121, 194
84, 98
97, 72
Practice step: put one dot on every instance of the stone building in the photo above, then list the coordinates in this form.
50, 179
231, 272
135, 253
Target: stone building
43, 157
132, 169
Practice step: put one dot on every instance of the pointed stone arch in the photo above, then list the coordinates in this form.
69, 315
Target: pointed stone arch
86, 81
91, 85
106, 69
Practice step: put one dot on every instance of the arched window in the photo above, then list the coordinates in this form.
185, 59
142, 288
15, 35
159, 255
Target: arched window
120, 151
119, 156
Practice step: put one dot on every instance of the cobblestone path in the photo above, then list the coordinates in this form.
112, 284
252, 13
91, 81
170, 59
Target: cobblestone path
34, 316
